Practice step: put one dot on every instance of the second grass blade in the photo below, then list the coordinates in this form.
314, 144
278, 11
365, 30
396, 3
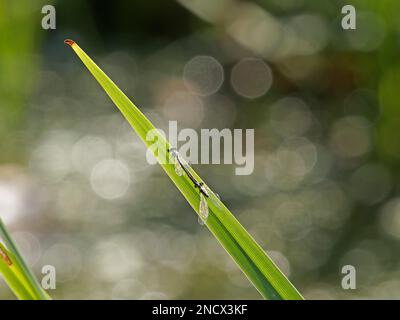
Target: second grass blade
16, 272
250, 257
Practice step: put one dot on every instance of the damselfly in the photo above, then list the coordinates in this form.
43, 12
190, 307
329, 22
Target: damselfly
182, 166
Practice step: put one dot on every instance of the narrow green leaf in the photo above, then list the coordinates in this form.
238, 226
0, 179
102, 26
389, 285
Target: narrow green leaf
250, 257
12, 279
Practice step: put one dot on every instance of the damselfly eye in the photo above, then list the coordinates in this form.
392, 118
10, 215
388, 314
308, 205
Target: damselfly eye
173, 152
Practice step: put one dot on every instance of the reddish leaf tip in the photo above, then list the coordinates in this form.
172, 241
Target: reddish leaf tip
69, 41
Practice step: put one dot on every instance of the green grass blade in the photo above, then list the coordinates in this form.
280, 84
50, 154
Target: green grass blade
16, 272
252, 260
12, 279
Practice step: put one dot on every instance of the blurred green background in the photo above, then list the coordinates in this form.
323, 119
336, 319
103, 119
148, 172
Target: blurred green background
75, 187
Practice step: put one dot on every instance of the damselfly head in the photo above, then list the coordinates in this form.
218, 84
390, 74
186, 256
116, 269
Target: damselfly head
174, 153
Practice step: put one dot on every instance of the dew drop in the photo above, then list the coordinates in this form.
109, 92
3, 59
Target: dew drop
203, 210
